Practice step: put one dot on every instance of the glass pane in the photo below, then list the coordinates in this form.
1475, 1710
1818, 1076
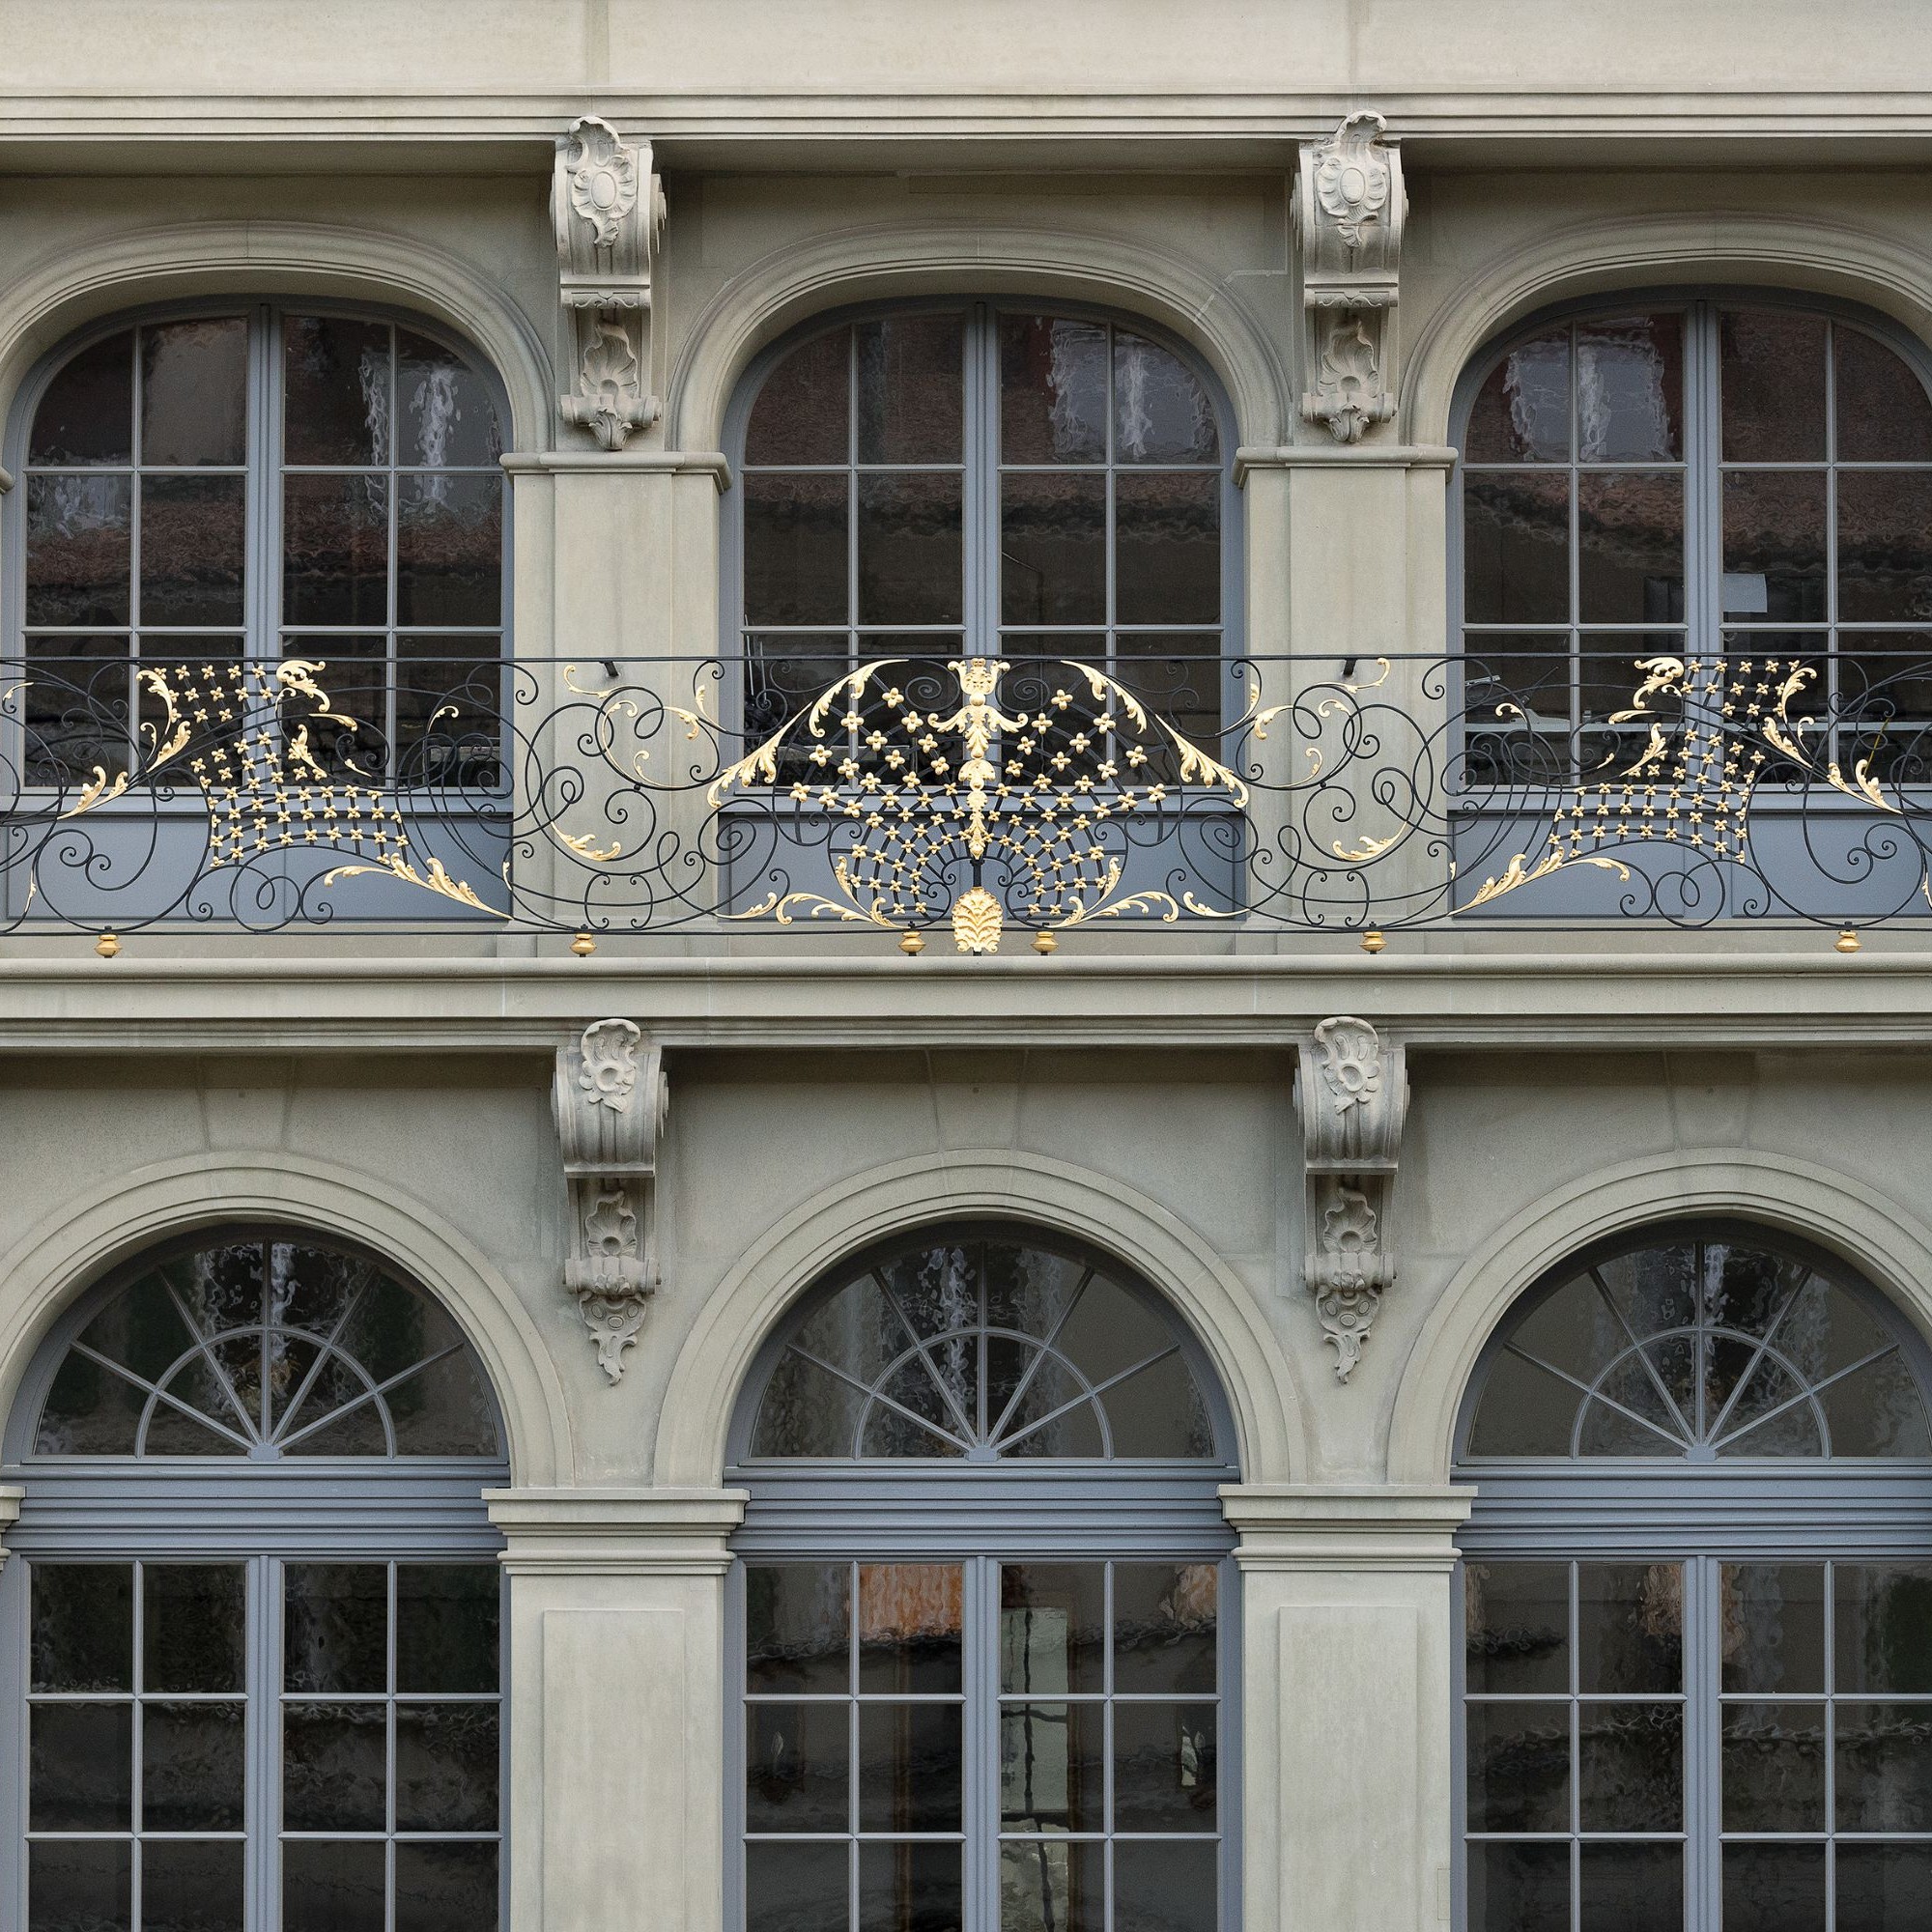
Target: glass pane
1775, 545
910, 569
335, 549
1053, 548
1654, 1288
80, 1886
1774, 1767
449, 550
194, 392
220, 1288
192, 1760
1518, 1767
334, 1774
1041, 1424
803, 412
1525, 1411
90, 1411
82, 1634
1881, 1626
1630, 389
1164, 1767
1771, 375
1053, 1628
909, 1393
191, 550
1164, 1627
1884, 1887
1630, 1767
336, 380
1630, 1626
1052, 1767
795, 549
1884, 414
1624, 1887
336, 1636
797, 1887
1877, 1411
1167, 548
910, 1621
1573, 1329
1517, 1627
1770, 1387
1884, 545
77, 551
1522, 414
798, 1767
1161, 411
797, 1627
446, 1765
1165, 1888
1047, 1884
449, 706
446, 1625
356, 1431
909, 1767
911, 388
908, 1888
1158, 1412
332, 1887
87, 414
1053, 389
446, 1889
1630, 1417
1520, 1888
1884, 1767
1774, 1888
449, 419
80, 1768
1516, 547
140, 1327
1773, 1627
392, 1327
1629, 560
443, 1409
806, 1410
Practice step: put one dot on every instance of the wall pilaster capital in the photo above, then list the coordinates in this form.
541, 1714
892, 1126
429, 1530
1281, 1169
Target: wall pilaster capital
1379, 1527
608, 1531
11, 1495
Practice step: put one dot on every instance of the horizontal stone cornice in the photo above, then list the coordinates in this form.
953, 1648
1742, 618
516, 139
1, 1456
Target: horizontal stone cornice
1378, 1528
610, 1531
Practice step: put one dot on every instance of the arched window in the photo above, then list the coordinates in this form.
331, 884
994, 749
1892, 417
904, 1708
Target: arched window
981, 479
1731, 476
1698, 1588
257, 482
251, 1619
984, 1613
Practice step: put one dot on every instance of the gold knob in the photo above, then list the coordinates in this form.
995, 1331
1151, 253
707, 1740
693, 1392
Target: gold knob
1045, 943
107, 946
911, 944
1847, 941
584, 946
1372, 941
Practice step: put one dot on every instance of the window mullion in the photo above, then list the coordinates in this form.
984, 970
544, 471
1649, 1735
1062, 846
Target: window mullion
980, 454
262, 540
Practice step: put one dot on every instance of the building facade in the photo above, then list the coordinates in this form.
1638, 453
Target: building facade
965, 966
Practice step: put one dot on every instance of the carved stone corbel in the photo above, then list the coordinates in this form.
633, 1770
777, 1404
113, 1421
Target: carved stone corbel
1351, 1093
609, 210
1348, 210
609, 1097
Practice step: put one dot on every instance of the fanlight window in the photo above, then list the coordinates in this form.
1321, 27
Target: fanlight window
264, 1348
984, 1348
1703, 1349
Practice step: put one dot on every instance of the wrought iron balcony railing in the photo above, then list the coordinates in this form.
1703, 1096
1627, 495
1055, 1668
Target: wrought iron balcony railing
968, 799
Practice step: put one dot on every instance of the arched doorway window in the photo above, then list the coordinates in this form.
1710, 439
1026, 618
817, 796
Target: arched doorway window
1698, 1598
251, 1616
983, 1616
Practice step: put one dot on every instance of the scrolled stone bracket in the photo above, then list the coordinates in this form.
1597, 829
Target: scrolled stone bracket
1349, 206
1351, 1097
608, 207
610, 1098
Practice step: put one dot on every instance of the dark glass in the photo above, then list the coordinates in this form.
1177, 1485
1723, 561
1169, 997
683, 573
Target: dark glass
797, 1887
78, 549
443, 1409
803, 409
449, 418
336, 1636
1053, 548
1773, 1627
87, 414
1165, 1766
1110, 1330
1608, 681
1525, 1411
446, 1625
1653, 1289
1515, 545
191, 550
1164, 1627
1625, 1887
337, 405
1033, 1428
1520, 1888
1771, 376
909, 1626
449, 709
1882, 1627
1630, 1766
192, 1761
1884, 695
90, 1411
1049, 1885
220, 1288
1515, 711
911, 388
1878, 1411
354, 672
1773, 1759
1630, 1626
912, 1417
806, 1410
1161, 410
1884, 1887
334, 1887
1630, 1417
1518, 1767
1157, 1412
1882, 1755
910, 567
1515, 1629
82, 1633
797, 1767
1178, 675
1053, 1628
1775, 545
449, 550
335, 1771
1167, 548
783, 676
446, 1887
1522, 414
78, 1884
1774, 1888
796, 548
909, 1767
1884, 414
1630, 547
909, 1889
1165, 1888
335, 549
80, 1768
1052, 1767
446, 1767
1884, 545
194, 393
1053, 389
1630, 389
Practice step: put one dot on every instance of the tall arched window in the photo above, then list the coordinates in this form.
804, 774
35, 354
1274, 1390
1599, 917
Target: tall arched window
251, 1623
983, 1608
1698, 1598
261, 481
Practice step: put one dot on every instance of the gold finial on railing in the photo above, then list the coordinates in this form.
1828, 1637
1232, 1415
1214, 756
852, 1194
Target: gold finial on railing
107, 946
584, 946
1847, 941
1372, 941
